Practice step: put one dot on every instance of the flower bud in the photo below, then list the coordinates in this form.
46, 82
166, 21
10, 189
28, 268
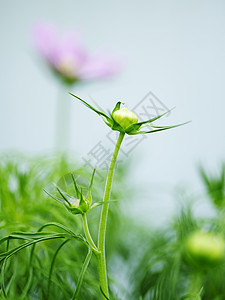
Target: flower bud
125, 117
79, 206
205, 248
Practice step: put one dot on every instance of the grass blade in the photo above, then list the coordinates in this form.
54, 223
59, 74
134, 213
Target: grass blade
52, 266
82, 273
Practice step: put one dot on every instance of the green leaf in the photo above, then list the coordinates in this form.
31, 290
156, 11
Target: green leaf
29, 235
74, 210
7, 254
135, 127
117, 107
93, 206
53, 197
29, 282
82, 273
99, 203
89, 197
108, 119
63, 227
75, 186
32, 240
83, 204
158, 128
116, 126
64, 195
92, 179
52, 265
191, 296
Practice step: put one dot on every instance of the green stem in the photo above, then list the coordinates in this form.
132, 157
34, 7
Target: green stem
103, 221
88, 235
63, 116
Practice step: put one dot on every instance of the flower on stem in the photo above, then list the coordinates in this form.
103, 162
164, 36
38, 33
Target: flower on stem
67, 57
125, 121
79, 204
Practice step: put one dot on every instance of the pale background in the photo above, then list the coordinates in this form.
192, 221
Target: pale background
176, 49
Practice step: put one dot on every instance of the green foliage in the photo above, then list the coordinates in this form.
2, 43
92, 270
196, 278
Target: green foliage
215, 185
55, 267
55, 261
163, 271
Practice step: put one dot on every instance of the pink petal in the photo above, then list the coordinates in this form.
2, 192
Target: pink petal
100, 66
69, 47
45, 39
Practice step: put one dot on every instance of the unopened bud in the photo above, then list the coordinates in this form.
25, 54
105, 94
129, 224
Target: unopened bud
125, 117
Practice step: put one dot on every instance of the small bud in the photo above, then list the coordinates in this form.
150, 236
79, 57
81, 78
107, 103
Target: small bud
205, 248
78, 204
82, 205
125, 117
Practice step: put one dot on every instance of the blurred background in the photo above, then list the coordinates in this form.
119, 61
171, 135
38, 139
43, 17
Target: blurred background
174, 49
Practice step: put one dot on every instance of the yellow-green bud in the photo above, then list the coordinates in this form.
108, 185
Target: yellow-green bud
125, 117
205, 248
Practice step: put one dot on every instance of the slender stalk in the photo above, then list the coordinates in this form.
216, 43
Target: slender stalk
63, 114
88, 235
103, 221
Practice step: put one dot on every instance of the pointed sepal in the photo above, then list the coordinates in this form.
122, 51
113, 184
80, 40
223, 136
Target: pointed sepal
157, 129
135, 127
117, 106
106, 118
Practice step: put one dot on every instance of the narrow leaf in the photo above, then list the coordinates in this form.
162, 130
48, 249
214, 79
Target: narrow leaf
53, 197
89, 197
58, 225
139, 124
99, 203
52, 265
82, 201
158, 129
74, 210
82, 273
117, 106
92, 179
62, 193
92, 108
75, 186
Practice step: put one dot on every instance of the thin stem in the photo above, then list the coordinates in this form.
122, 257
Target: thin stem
103, 221
63, 118
88, 235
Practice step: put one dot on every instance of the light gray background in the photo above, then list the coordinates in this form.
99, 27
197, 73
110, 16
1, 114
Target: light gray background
176, 49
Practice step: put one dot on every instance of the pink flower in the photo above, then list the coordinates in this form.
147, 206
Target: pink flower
67, 57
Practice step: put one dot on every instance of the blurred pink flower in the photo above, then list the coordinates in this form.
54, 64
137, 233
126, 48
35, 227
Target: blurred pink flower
67, 57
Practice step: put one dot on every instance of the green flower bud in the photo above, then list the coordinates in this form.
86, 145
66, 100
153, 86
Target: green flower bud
205, 248
125, 117
126, 121
80, 204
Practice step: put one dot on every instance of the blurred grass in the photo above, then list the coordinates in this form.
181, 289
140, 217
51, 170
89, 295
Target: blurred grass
143, 263
25, 207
